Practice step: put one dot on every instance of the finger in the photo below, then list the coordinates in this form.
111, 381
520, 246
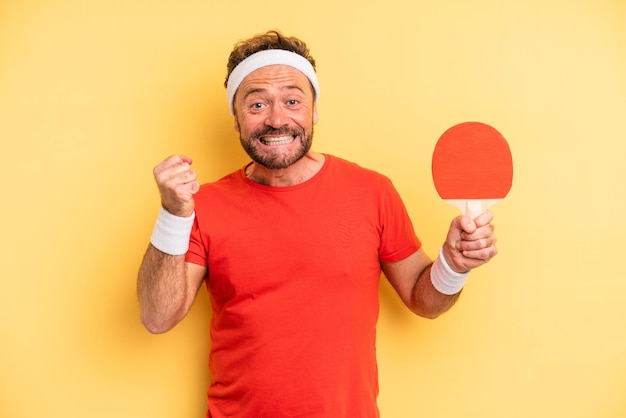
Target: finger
184, 192
482, 255
170, 162
166, 163
454, 232
483, 226
195, 187
177, 169
485, 231
477, 244
184, 174
179, 199
183, 184
467, 224
175, 175
484, 218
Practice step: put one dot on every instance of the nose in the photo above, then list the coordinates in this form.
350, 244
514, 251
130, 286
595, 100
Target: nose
277, 116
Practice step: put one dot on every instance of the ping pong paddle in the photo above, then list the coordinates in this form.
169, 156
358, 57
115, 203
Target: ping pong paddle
472, 167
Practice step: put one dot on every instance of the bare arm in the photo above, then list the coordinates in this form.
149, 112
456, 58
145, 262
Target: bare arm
411, 279
167, 287
468, 245
166, 284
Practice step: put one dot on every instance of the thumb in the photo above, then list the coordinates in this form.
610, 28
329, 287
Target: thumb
195, 187
466, 224
459, 225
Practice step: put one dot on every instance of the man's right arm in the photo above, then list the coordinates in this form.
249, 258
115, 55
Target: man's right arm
167, 286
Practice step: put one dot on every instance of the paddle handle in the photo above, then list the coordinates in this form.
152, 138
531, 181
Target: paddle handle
472, 207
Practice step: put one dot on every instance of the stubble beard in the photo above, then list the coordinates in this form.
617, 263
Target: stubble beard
276, 160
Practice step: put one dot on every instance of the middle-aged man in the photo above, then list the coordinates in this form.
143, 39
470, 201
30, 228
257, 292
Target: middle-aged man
291, 248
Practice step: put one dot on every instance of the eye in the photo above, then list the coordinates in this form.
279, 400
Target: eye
292, 102
257, 106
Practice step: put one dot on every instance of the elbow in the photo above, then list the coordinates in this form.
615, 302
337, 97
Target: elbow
159, 319
428, 313
433, 308
155, 326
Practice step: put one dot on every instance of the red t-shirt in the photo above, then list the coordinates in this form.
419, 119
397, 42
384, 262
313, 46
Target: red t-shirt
293, 275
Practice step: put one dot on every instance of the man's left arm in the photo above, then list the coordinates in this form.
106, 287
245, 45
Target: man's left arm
430, 289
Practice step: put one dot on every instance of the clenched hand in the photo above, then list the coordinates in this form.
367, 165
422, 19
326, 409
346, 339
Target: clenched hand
177, 184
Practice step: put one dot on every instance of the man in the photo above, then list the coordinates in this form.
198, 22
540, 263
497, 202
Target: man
291, 249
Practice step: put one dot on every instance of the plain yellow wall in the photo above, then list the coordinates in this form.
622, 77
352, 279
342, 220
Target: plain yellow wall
94, 93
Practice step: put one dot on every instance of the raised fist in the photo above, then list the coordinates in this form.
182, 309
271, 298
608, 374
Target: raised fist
177, 184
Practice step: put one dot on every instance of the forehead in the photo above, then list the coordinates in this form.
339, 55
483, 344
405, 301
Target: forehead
275, 76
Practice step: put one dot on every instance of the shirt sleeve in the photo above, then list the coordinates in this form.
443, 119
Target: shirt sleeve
398, 238
197, 253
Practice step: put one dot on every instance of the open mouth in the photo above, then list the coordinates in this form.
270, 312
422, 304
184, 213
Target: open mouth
278, 140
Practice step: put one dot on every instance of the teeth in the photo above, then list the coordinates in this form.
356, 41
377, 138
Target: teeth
277, 141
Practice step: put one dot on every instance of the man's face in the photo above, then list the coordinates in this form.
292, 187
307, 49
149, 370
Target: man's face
274, 115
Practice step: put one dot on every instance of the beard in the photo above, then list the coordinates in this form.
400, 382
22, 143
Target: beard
276, 160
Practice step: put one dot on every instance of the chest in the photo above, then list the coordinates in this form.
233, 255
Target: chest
264, 243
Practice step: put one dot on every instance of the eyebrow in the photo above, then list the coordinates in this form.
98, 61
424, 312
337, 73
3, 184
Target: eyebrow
261, 90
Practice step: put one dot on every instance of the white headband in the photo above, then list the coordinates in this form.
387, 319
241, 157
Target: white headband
263, 59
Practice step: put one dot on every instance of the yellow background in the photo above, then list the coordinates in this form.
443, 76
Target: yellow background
94, 93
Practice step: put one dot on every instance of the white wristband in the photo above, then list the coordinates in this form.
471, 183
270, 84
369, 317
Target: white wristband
444, 279
171, 233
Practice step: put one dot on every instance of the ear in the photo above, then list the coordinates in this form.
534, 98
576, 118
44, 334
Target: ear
236, 123
315, 117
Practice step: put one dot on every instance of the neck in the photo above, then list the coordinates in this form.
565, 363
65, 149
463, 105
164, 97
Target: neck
299, 172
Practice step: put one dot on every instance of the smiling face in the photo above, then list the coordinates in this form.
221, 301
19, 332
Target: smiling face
274, 115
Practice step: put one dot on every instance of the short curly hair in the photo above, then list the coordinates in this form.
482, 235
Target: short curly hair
272, 39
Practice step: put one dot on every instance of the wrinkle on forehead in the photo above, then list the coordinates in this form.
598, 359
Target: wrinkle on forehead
275, 76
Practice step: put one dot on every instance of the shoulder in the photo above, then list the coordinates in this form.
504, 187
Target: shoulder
224, 185
341, 168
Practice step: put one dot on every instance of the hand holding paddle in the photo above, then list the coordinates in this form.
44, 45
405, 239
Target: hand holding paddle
472, 167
